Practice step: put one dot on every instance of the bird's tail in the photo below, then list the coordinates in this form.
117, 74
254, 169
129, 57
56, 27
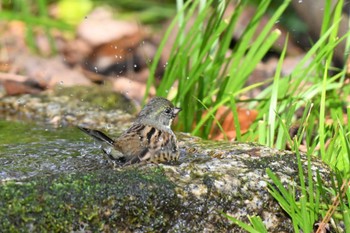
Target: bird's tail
107, 144
97, 135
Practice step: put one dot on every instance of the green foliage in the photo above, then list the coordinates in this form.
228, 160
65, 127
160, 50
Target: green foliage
73, 12
303, 212
256, 227
202, 75
146, 11
200, 66
35, 15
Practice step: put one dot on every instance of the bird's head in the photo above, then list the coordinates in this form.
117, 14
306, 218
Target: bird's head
158, 111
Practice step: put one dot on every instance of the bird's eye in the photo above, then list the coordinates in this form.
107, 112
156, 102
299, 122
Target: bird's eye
167, 110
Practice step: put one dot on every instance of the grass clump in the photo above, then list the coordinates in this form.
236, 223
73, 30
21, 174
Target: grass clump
203, 73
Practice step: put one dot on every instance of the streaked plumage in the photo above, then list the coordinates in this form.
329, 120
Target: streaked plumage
149, 139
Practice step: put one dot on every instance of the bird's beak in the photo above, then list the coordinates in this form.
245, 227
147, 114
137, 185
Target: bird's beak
176, 111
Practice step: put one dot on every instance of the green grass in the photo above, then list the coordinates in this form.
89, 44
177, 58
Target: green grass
201, 77
35, 15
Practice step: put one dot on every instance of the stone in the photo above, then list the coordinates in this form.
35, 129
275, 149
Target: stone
60, 180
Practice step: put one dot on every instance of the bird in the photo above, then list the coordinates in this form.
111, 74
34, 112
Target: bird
149, 139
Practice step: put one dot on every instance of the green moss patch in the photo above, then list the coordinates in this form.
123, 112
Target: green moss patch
102, 200
101, 96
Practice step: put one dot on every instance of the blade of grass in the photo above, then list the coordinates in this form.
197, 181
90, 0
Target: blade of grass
242, 224
158, 54
273, 101
213, 117
236, 119
216, 106
323, 115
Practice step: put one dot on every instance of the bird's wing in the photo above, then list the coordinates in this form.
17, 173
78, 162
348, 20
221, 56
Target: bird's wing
131, 142
141, 142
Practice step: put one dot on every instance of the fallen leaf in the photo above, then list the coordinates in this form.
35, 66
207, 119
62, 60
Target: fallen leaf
225, 116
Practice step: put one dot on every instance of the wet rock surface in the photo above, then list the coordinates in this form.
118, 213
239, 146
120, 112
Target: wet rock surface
59, 181
92, 106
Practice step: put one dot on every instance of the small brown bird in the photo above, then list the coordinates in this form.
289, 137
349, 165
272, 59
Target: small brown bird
149, 139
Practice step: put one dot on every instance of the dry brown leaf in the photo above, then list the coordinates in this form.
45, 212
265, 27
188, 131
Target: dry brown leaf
225, 116
16, 88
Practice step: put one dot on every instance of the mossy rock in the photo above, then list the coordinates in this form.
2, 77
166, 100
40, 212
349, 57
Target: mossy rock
60, 182
100, 200
98, 96
97, 105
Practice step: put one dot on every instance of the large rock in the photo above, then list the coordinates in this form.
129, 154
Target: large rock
59, 181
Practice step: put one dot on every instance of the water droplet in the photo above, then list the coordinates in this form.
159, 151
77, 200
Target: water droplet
187, 77
20, 101
135, 65
108, 150
300, 1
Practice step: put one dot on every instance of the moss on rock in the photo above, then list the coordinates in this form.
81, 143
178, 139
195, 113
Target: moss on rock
130, 199
100, 96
